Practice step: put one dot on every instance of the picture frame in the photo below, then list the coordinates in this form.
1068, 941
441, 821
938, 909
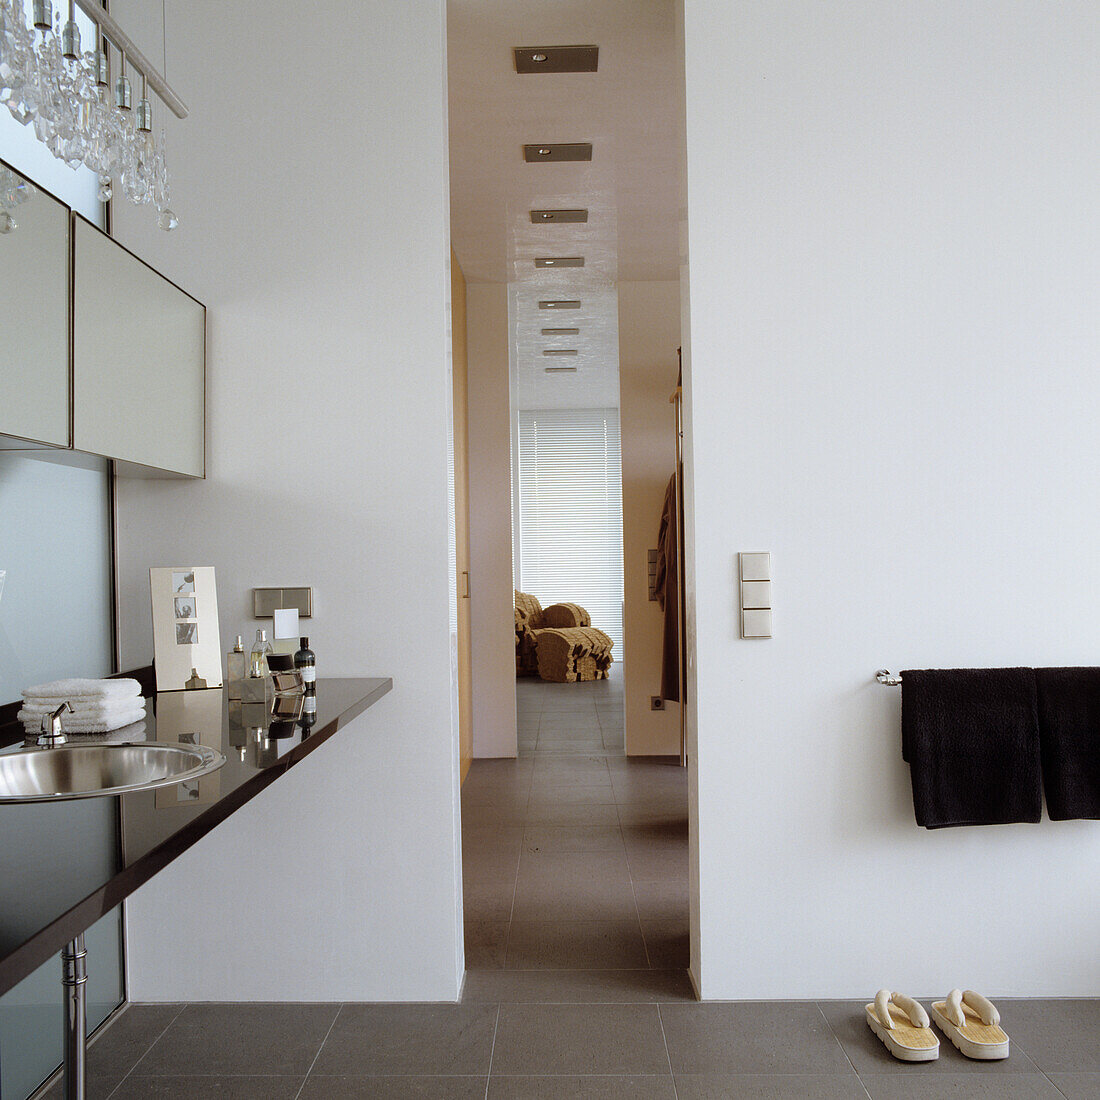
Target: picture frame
186, 634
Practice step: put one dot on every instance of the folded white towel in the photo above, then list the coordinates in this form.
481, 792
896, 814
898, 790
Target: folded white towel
78, 688
82, 710
102, 722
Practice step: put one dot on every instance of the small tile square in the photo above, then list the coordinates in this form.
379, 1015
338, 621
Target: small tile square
756, 624
756, 567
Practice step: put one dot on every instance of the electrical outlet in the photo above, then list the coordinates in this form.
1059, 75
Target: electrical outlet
656, 703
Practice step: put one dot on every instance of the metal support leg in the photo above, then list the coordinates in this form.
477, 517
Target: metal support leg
74, 975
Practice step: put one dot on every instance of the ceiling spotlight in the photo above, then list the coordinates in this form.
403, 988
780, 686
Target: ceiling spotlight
540, 217
559, 351
556, 59
551, 151
559, 261
560, 370
561, 332
559, 304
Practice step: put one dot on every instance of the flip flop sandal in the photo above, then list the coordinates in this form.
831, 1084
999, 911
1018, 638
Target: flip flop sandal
902, 1025
972, 1024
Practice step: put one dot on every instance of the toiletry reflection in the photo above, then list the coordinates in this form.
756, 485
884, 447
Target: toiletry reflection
235, 668
196, 683
309, 712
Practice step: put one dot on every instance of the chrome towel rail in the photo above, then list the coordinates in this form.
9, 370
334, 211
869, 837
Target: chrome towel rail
885, 676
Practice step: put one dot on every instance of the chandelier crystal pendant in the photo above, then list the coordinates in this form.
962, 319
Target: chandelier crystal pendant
67, 97
14, 190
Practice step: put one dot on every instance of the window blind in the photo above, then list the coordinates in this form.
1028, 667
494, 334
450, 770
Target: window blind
571, 512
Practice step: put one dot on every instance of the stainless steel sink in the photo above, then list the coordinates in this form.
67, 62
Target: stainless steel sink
90, 770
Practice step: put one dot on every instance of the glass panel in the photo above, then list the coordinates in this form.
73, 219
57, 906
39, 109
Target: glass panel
32, 1013
55, 606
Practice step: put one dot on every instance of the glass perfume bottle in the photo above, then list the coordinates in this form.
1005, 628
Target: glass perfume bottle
261, 647
235, 668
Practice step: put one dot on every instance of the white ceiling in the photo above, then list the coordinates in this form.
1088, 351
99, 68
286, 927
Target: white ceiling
629, 110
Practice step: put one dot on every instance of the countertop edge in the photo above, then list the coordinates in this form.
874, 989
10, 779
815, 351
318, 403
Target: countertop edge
40, 948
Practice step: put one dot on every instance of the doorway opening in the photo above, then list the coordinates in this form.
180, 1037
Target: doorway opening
565, 226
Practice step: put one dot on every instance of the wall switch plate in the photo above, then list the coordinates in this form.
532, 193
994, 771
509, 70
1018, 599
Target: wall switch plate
265, 601
756, 567
656, 703
756, 594
756, 623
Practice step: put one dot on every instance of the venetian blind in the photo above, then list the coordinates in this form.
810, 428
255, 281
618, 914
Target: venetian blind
571, 512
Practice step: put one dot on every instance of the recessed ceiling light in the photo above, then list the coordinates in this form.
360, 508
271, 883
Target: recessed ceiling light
561, 332
539, 217
559, 261
556, 59
544, 154
559, 305
559, 370
559, 351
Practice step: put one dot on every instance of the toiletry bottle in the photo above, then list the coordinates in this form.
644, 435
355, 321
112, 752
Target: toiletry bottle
306, 663
235, 668
261, 647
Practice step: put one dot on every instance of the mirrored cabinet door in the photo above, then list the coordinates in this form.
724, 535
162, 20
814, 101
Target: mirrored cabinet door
138, 359
34, 313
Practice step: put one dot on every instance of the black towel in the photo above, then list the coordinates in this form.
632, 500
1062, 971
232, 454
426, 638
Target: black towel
971, 737
1069, 731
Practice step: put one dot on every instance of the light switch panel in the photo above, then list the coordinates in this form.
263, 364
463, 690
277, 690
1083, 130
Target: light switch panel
756, 594
756, 567
266, 600
756, 623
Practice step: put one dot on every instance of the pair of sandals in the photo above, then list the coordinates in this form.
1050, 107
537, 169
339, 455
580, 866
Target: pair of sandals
967, 1018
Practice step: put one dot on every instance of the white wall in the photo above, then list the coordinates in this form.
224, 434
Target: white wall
492, 626
314, 226
649, 334
894, 276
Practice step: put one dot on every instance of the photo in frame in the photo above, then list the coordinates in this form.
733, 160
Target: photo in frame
186, 637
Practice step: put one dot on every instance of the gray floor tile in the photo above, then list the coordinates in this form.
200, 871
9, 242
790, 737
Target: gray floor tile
508, 811
488, 901
545, 801
580, 771
751, 1037
579, 1039
574, 838
489, 864
667, 943
1077, 1086
662, 899
575, 945
1060, 1036
573, 813
237, 1039
654, 864
868, 1053
116, 1049
485, 941
917, 1085
208, 1088
572, 1088
578, 987
772, 1086
394, 1088
409, 1039
571, 868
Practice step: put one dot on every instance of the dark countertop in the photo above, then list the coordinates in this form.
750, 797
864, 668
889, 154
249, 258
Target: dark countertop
65, 864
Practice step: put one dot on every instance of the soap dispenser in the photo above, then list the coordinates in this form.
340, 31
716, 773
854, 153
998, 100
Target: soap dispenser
235, 668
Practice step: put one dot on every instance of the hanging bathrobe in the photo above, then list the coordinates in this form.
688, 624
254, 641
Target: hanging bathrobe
667, 585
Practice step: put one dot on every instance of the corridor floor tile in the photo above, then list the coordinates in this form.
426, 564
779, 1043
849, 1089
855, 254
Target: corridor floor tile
409, 1039
579, 1039
581, 1088
576, 945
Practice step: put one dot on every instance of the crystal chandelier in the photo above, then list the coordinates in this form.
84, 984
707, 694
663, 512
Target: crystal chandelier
67, 97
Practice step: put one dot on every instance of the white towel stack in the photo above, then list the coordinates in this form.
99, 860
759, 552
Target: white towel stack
98, 705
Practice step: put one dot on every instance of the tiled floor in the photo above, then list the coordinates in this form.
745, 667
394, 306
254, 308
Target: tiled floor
576, 902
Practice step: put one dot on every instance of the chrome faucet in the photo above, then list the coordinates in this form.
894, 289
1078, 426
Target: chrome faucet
52, 734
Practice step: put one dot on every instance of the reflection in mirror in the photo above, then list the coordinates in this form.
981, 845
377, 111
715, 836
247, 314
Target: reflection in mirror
34, 312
